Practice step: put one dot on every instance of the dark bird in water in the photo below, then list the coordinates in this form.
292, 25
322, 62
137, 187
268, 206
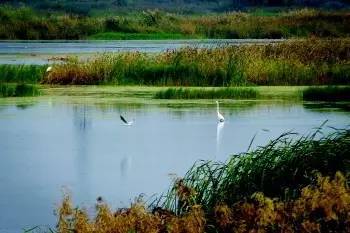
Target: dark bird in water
125, 121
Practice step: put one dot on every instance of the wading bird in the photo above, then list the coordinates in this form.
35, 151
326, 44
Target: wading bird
125, 121
49, 69
220, 116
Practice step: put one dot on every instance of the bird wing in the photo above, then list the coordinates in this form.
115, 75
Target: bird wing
123, 119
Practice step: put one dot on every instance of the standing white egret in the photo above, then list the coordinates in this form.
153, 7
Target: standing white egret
220, 116
125, 121
49, 69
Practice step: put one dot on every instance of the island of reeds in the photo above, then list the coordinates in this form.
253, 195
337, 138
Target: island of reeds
289, 185
235, 71
293, 62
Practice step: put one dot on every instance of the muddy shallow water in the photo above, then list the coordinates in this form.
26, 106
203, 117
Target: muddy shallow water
49, 145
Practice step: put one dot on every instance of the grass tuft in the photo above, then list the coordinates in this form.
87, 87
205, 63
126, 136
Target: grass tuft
217, 93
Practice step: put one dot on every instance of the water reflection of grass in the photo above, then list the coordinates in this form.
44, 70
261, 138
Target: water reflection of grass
330, 93
18, 90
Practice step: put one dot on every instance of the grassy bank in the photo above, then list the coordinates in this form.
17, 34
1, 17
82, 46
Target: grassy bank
25, 23
295, 62
285, 186
331, 93
222, 93
18, 90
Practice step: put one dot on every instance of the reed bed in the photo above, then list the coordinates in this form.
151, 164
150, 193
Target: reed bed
286, 186
279, 170
25, 23
222, 93
331, 93
296, 62
21, 73
18, 90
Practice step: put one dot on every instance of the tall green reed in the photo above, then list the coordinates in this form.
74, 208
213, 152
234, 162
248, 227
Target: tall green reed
296, 62
278, 169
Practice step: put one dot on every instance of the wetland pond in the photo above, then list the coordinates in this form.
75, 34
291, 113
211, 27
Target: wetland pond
79, 144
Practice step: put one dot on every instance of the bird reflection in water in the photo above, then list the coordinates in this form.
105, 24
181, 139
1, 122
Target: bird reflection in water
219, 132
81, 117
125, 165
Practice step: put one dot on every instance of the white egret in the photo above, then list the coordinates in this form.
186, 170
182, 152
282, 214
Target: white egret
220, 116
125, 121
49, 69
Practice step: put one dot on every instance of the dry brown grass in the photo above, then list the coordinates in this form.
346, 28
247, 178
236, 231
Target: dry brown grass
324, 207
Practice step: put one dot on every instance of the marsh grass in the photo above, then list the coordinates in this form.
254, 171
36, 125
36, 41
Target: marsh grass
18, 90
25, 23
139, 36
21, 73
330, 93
217, 93
295, 62
279, 169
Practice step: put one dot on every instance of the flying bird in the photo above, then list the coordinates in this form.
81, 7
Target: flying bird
220, 116
125, 121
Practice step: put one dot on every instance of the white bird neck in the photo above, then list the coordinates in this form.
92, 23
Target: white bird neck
217, 106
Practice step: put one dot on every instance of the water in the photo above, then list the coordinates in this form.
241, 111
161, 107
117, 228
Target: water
41, 52
61, 143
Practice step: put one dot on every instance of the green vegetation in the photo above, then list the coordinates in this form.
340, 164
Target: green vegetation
139, 36
25, 23
284, 186
222, 93
21, 73
278, 169
331, 93
18, 90
295, 62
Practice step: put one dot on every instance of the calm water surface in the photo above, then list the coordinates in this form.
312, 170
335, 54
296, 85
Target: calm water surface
52, 145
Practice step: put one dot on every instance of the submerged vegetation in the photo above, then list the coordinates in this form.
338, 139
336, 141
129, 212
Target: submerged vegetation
25, 23
18, 90
286, 186
295, 62
331, 93
222, 93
